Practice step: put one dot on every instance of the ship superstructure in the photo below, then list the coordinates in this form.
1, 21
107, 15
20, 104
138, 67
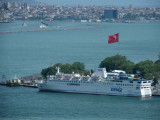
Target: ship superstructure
100, 82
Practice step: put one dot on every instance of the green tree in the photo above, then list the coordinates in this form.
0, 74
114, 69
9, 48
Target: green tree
117, 62
44, 72
66, 68
86, 72
148, 76
146, 68
158, 61
156, 73
78, 67
50, 70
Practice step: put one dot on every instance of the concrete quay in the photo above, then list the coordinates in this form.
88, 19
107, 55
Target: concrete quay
156, 90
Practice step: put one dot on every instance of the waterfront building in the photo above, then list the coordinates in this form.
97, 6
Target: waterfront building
110, 14
7, 5
1, 16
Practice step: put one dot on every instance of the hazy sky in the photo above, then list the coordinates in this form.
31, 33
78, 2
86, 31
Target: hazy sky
119, 3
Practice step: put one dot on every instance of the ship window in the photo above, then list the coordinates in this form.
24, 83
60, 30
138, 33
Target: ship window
138, 82
144, 82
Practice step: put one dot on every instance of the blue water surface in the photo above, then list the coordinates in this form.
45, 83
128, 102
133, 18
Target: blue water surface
22, 103
26, 53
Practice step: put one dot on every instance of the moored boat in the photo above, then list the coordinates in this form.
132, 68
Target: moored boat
14, 82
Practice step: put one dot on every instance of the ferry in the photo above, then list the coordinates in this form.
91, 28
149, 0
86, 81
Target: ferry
100, 82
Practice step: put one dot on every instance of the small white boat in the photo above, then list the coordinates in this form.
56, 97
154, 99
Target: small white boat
43, 26
24, 24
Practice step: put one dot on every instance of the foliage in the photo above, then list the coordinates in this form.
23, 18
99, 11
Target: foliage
117, 62
86, 72
158, 61
76, 67
148, 70
156, 77
148, 76
144, 67
156, 73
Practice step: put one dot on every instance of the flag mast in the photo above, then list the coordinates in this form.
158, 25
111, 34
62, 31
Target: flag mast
118, 43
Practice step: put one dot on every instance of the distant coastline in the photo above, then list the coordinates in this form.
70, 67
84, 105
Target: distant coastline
11, 11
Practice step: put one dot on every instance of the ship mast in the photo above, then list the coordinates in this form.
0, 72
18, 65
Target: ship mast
58, 69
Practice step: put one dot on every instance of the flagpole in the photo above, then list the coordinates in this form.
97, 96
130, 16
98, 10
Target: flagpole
118, 48
118, 44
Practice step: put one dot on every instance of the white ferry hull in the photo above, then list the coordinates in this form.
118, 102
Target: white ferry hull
98, 88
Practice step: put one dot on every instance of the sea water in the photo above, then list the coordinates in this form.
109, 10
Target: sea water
26, 53
22, 103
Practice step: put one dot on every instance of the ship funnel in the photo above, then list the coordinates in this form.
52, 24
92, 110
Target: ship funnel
100, 72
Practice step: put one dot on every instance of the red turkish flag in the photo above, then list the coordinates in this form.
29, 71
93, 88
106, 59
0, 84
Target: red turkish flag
113, 38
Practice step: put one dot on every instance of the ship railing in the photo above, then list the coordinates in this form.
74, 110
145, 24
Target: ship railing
111, 78
102, 80
76, 78
67, 77
59, 77
85, 78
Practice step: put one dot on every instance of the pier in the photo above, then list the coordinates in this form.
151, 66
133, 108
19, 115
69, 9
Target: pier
26, 81
43, 30
156, 89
